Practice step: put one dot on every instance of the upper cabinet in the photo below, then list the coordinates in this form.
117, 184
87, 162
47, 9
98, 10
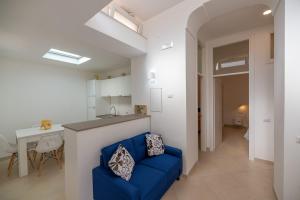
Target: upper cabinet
120, 86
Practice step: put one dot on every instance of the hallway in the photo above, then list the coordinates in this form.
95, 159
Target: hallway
226, 174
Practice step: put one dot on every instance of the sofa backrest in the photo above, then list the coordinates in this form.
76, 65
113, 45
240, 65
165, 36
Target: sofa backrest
140, 147
136, 146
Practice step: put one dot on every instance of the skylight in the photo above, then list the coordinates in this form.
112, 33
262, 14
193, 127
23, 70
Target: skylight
123, 16
122, 19
63, 56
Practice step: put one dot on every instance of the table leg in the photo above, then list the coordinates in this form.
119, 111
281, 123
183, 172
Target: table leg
22, 157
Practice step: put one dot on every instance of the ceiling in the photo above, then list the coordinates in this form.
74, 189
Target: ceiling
30, 28
237, 21
146, 9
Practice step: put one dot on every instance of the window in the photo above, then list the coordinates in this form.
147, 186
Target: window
231, 58
122, 16
233, 62
122, 19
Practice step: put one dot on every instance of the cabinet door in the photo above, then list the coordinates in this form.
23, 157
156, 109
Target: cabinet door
128, 86
98, 88
120, 86
105, 90
125, 85
117, 87
91, 88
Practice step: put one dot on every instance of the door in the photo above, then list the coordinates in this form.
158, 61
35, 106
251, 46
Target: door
218, 112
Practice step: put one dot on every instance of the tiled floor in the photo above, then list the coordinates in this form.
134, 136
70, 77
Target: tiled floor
225, 174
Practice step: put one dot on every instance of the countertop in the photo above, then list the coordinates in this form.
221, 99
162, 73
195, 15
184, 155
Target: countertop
82, 126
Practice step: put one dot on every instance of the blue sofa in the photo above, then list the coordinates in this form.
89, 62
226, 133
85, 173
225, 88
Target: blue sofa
151, 178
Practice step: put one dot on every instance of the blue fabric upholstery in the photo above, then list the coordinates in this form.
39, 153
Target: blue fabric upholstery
173, 151
147, 180
106, 186
164, 162
151, 178
140, 146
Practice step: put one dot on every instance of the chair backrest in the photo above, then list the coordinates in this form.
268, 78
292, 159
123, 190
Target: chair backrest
4, 145
49, 143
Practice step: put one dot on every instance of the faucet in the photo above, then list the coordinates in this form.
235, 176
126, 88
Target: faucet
115, 110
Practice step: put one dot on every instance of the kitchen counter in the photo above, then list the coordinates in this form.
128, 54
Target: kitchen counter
83, 142
82, 126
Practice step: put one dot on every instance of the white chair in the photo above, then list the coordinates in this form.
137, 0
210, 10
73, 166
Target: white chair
48, 147
13, 150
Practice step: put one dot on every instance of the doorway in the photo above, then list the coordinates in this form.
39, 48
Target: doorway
231, 92
231, 108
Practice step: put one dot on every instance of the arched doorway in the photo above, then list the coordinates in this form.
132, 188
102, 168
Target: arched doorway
208, 11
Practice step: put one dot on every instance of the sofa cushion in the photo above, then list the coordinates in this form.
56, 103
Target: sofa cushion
147, 179
108, 151
139, 143
122, 163
164, 162
155, 145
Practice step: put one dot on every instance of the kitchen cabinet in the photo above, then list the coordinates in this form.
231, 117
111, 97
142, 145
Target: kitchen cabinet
120, 86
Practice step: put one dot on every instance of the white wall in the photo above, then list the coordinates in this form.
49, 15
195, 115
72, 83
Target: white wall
263, 95
170, 65
291, 101
31, 92
191, 99
115, 30
116, 72
287, 111
279, 61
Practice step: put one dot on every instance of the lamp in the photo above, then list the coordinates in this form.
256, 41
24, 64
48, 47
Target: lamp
152, 76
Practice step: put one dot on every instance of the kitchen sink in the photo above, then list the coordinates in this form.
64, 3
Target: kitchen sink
106, 116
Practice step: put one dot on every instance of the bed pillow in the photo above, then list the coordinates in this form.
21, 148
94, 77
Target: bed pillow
122, 163
155, 145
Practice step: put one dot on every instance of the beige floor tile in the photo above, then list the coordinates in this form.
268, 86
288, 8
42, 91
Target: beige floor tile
225, 174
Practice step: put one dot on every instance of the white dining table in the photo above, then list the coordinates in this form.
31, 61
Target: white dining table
24, 136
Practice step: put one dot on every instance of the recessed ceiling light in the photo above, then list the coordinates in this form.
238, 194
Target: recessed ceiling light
63, 56
267, 12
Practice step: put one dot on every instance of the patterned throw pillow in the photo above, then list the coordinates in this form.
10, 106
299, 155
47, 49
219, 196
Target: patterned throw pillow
155, 145
122, 163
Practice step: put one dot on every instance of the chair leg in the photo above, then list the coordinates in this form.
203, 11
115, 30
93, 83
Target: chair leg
11, 164
34, 155
55, 154
30, 160
40, 164
61, 152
